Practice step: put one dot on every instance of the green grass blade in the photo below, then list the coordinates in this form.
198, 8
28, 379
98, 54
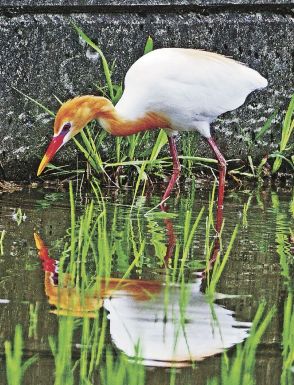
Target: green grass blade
287, 129
106, 69
36, 102
149, 45
266, 126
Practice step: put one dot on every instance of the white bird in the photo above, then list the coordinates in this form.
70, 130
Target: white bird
163, 332
176, 89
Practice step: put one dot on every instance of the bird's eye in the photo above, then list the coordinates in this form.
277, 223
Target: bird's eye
66, 127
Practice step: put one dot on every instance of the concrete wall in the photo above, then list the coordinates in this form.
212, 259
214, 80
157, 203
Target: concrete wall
42, 56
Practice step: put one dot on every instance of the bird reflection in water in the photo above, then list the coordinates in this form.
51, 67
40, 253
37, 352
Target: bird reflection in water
173, 326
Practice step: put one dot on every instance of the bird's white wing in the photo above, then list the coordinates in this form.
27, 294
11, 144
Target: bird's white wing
201, 84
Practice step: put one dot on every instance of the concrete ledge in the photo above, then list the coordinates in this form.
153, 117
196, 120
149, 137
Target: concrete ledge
11, 8
149, 3
42, 56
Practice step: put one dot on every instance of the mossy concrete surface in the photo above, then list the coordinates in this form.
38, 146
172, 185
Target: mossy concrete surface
42, 56
148, 3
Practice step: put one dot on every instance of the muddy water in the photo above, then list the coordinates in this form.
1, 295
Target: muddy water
252, 273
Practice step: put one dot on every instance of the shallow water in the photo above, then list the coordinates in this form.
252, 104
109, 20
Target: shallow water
144, 307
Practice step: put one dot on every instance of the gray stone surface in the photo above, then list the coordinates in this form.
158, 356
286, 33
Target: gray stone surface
34, 3
42, 56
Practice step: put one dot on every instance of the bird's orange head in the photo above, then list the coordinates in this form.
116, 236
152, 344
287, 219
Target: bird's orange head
71, 118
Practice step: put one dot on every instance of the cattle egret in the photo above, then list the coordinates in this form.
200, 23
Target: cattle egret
176, 89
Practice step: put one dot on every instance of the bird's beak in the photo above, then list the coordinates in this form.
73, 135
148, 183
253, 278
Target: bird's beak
56, 143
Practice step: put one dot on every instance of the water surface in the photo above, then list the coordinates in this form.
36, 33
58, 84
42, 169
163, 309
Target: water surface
145, 307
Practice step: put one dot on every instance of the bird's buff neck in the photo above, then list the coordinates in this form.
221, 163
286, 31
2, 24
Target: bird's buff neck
115, 124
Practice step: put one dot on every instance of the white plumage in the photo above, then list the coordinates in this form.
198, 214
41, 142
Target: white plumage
165, 334
190, 87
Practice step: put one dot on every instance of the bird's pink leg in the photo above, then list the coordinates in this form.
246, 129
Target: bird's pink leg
222, 165
176, 168
171, 237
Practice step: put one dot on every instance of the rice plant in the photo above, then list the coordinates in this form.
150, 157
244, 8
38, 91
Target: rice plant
15, 366
62, 351
33, 324
287, 376
108, 238
120, 371
285, 147
284, 154
240, 369
283, 245
219, 265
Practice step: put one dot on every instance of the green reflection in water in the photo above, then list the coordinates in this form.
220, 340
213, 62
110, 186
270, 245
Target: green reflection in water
284, 242
141, 258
